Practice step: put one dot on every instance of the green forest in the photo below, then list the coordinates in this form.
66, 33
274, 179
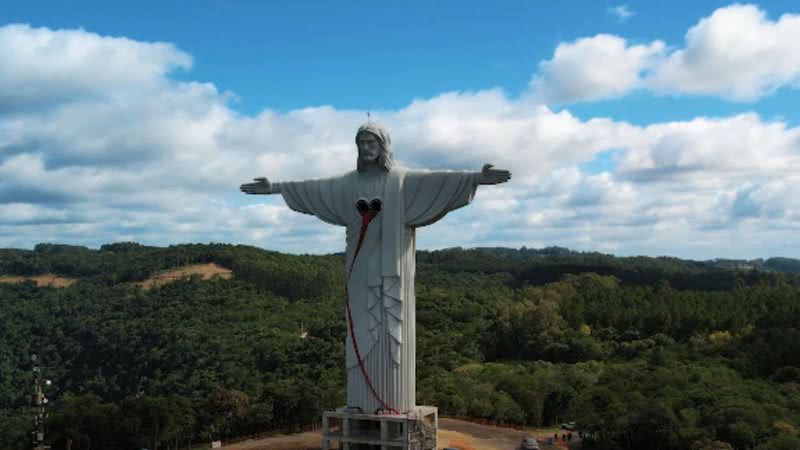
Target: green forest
642, 353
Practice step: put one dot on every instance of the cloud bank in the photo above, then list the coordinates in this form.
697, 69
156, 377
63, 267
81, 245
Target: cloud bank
737, 53
90, 156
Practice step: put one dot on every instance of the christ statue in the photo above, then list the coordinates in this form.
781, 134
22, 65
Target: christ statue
381, 363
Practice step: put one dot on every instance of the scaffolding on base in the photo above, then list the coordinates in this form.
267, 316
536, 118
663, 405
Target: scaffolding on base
414, 430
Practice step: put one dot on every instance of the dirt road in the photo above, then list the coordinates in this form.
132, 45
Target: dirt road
452, 433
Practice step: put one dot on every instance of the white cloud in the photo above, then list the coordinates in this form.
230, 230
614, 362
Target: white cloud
621, 12
737, 53
737, 147
773, 199
594, 68
161, 164
26, 213
66, 64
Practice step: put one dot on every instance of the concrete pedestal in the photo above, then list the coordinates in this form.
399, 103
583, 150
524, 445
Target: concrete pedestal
415, 430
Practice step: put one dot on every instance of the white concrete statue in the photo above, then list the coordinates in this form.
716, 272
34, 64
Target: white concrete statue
381, 285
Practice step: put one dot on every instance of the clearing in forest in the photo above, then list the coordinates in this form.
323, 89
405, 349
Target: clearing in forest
46, 280
206, 271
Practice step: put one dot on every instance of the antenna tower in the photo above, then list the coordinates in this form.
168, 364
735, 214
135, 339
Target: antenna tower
39, 402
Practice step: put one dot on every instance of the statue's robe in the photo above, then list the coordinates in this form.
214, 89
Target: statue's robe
381, 285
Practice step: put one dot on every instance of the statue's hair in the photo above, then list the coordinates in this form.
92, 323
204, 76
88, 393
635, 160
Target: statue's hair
386, 161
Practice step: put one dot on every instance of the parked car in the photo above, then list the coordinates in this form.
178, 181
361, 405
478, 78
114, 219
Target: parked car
568, 426
529, 443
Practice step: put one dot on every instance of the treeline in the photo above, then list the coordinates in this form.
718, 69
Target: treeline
548, 265
636, 367
654, 353
127, 262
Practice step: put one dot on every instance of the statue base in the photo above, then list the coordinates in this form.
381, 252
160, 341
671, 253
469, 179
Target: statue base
413, 430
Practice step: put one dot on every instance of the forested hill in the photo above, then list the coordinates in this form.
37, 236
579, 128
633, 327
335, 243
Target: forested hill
642, 352
129, 261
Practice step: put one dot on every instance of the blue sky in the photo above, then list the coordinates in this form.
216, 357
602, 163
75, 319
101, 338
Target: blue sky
632, 133
287, 55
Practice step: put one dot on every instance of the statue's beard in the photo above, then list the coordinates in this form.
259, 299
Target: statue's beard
370, 157
383, 159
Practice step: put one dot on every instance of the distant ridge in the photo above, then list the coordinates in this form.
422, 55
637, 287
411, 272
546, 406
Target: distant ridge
50, 258
772, 264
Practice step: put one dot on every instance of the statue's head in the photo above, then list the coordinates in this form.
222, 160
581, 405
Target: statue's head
374, 146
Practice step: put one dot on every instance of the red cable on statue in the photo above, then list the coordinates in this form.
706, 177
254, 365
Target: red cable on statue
368, 212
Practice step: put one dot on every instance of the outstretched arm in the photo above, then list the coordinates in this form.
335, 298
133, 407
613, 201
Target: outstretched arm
326, 198
261, 186
489, 175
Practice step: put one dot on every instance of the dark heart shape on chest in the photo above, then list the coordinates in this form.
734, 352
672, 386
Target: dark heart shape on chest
363, 206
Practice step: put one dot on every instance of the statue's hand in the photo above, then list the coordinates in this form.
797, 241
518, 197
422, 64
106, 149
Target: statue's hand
261, 186
493, 176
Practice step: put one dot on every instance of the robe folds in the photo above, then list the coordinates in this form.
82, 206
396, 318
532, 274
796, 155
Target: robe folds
381, 285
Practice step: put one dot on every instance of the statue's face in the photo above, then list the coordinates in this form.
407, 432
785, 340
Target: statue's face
369, 147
